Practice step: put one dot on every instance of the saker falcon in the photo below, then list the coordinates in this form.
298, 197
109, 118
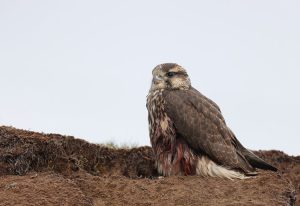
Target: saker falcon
188, 133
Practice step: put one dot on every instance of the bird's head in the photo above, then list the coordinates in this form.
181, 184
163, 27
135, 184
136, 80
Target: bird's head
170, 76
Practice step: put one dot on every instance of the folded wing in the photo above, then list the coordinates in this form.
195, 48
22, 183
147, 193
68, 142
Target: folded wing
199, 122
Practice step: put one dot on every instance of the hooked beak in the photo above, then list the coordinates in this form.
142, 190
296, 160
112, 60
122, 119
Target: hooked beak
156, 79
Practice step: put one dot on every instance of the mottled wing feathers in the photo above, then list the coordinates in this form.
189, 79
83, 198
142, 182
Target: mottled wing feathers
207, 102
199, 122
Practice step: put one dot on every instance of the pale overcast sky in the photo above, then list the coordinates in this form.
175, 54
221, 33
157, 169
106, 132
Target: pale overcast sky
83, 68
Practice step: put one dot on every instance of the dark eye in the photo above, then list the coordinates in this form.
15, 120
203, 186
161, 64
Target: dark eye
171, 74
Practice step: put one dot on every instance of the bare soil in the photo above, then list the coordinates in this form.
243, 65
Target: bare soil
51, 169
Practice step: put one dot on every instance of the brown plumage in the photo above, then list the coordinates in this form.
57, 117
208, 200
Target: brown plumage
188, 132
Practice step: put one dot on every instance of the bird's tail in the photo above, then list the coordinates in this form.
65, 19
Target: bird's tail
252, 159
257, 162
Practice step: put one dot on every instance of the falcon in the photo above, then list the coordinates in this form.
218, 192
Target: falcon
188, 133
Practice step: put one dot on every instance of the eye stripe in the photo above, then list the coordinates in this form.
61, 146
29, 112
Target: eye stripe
171, 74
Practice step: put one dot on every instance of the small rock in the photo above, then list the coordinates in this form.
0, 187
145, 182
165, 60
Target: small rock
11, 186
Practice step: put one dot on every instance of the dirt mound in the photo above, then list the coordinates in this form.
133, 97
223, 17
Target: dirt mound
50, 169
24, 151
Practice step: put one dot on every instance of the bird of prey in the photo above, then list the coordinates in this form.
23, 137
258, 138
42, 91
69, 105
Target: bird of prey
188, 133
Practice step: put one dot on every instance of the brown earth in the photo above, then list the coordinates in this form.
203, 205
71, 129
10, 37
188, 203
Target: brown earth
50, 169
